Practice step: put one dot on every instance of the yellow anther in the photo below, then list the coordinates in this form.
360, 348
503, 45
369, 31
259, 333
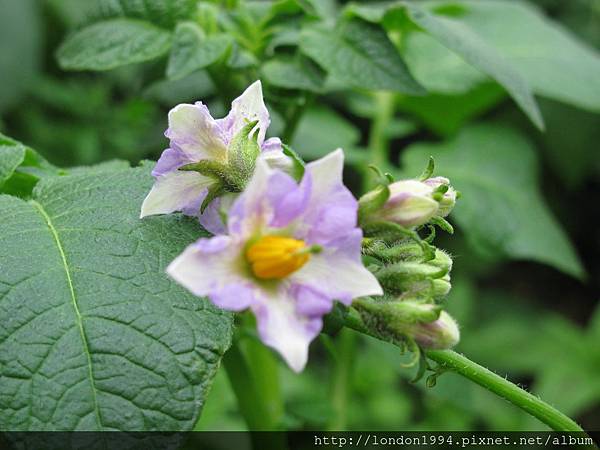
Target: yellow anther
275, 257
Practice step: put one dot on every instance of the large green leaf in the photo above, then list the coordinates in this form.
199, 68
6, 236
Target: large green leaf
359, 54
502, 208
161, 12
315, 138
93, 335
113, 43
460, 39
554, 62
193, 50
296, 73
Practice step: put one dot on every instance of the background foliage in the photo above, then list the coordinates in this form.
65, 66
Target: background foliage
86, 82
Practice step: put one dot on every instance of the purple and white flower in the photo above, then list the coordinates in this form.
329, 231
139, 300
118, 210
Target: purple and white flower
196, 136
290, 251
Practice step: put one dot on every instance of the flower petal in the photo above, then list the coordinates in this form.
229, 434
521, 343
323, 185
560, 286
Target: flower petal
210, 267
310, 302
332, 209
176, 191
282, 328
212, 217
272, 153
246, 108
196, 133
338, 271
170, 160
250, 210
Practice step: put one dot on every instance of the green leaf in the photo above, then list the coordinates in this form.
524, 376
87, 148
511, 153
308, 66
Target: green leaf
462, 40
549, 57
93, 335
297, 73
113, 43
21, 167
161, 12
314, 138
193, 50
502, 209
553, 61
360, 55
445, 114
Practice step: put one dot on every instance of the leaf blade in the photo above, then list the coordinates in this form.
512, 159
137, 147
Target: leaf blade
361, 55
112, 43
153, 348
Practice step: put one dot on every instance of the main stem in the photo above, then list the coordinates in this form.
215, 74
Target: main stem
342, 372
462, 365
378, 139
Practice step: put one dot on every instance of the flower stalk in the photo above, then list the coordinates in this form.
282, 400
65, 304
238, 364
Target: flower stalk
460, 364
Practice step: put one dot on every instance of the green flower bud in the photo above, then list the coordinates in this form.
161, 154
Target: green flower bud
414, 276
395, 321
443, 193
440, 287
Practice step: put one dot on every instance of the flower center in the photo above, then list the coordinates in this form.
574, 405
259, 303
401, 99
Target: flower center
275, 257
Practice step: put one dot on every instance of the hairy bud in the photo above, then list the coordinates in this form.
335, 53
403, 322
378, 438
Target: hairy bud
426, 323
440, 334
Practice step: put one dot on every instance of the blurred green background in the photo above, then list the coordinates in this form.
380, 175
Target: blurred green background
526, 277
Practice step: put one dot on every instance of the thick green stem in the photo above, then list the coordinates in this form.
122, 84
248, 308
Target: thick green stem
378, 139
346, 346
460, 364
253, 375
292, 118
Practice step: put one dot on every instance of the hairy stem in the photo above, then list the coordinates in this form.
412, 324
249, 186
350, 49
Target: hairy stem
528, 402
462, 365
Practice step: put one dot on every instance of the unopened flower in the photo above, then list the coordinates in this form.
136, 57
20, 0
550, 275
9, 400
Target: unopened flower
410, 203
196, 137
440, 334
426, 323
447, 198
290, 250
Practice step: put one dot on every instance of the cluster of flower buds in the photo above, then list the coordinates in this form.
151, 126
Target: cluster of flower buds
288, 236
414, 275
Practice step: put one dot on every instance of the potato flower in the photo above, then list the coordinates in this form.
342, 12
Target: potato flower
195, 136
291, 249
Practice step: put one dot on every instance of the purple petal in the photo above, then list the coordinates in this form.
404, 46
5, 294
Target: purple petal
248, 107
210, 267
310, 302
286, 199
332, 209
211, 218
282, 328
170, 160
272, 145
176, 191
337, 272
234, 297
193, 130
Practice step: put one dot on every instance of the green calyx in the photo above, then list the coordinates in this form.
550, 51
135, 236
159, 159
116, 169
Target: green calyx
234, 174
